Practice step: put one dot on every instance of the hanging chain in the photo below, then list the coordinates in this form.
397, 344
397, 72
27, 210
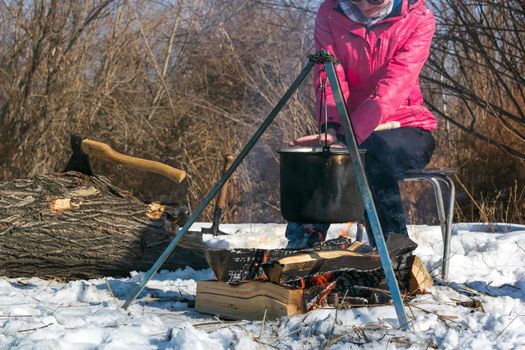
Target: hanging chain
322, 87
325, 117
321, 57
323, 112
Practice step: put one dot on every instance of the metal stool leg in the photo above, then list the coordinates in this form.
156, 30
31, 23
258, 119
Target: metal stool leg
448, 232
438, 194
445, 217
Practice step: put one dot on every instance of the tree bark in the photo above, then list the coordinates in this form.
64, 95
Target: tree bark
70, 226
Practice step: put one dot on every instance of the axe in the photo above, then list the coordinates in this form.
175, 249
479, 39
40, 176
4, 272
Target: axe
220, 204
85, 148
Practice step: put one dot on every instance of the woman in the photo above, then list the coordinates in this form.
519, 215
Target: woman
382, 46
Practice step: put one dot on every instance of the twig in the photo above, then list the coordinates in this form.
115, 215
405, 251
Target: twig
202, 324
482, 213
448, 317
509, 286
361, 333
256, 339
34, 329
154, 61
401, 340
309, 334
262, 326
292, 332
218, 319
271, 206
111, 292
523, 250
420, 308
506, 327
335, 320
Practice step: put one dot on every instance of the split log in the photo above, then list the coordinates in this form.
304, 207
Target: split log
248, 301
372, 285
238, 265
313, 263
420, 280
71, 226
243, 264
297, 267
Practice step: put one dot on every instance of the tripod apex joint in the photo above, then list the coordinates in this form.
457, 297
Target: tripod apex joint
322, 56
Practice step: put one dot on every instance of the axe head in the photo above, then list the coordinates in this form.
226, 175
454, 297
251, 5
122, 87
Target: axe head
214, 229
79, 161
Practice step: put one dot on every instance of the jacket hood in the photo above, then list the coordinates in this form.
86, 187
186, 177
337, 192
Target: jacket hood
358, 28
406, 7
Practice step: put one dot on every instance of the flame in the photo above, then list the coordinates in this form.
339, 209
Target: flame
257, 265
322, 280
266, 255
322, 285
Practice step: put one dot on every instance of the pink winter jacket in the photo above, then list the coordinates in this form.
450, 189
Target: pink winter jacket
379, 67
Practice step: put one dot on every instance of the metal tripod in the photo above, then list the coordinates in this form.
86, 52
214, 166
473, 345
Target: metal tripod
321, 57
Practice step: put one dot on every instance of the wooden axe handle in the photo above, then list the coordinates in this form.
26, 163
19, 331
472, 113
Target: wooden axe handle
103, 151
223, 192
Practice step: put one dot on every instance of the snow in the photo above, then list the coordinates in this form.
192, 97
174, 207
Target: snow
486, 266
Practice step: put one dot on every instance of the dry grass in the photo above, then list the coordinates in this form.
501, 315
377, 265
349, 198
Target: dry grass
185, 82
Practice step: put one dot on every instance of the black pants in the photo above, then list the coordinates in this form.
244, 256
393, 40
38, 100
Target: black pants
389, 154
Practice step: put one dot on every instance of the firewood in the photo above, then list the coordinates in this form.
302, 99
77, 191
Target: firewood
248, 301
237, 265
299, 266
72, 225
363, 283
420, 280
296, 267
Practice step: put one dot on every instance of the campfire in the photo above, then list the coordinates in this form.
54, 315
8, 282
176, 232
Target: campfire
257, 283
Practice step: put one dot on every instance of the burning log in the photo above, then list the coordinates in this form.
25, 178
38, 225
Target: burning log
290, 269
238, 265
72, 225
371, 286
354, 274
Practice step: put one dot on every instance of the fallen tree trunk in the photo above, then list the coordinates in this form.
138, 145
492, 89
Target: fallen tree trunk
71, 226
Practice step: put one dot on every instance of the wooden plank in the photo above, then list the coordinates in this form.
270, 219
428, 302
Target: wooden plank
248, 301
420, 281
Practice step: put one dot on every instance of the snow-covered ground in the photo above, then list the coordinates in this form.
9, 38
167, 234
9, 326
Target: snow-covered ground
489, 267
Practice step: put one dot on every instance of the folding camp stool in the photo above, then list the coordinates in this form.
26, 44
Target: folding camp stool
437, 177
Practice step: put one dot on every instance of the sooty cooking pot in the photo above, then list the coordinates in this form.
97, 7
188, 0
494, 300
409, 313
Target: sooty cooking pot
318, 185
